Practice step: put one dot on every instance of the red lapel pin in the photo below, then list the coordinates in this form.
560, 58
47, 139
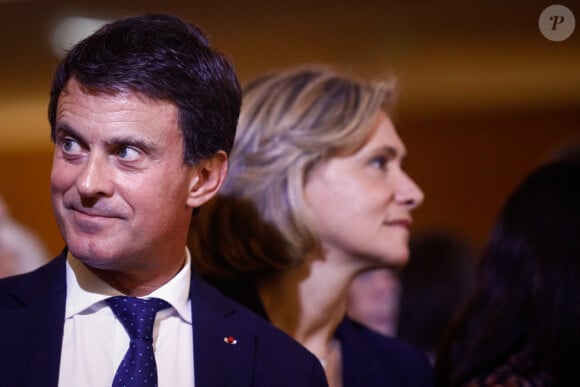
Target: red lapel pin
230, 340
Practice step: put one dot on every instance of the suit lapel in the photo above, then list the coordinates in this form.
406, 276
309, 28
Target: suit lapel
32, 326
219, 361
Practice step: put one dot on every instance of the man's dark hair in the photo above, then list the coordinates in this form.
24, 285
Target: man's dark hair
163, 58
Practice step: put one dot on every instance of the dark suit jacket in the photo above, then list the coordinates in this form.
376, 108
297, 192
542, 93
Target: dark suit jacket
32, 308
370, 359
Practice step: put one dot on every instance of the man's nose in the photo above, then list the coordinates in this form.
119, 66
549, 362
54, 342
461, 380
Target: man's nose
95, 178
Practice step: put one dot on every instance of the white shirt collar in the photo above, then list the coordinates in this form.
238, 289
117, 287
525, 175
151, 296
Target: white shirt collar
86, 292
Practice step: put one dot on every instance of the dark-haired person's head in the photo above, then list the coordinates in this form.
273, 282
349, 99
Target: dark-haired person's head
161, 57
143, 114
525, 312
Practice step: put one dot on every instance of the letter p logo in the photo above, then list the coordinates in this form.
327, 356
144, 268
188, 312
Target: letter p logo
557, 23
557, 20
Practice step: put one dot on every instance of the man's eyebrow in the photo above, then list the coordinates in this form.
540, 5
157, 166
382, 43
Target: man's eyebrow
140, 143
63, 129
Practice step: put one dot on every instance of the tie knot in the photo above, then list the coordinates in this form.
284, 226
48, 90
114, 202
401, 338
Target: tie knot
137, 314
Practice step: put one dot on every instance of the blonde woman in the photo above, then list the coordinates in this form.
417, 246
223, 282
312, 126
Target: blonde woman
316, 194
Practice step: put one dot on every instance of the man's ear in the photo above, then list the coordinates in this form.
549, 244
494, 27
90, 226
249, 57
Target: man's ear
207, 178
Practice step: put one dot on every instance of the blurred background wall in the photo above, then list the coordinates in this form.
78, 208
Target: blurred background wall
484, 96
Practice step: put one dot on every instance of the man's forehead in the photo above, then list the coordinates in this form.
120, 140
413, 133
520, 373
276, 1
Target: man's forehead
112, 100
74, 86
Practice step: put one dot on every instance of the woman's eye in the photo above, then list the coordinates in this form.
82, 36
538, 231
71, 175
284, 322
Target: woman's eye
128, 153
380, 162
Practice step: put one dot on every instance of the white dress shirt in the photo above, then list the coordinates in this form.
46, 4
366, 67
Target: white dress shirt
95, 342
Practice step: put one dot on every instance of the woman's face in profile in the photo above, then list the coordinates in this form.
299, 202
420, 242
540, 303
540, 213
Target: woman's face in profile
360, 205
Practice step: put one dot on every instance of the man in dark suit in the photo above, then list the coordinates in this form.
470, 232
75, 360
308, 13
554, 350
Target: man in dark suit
143, 115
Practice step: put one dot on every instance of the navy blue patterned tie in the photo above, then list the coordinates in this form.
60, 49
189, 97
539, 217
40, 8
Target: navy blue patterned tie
137, 315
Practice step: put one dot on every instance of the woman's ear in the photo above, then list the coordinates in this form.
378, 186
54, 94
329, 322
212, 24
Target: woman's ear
207, 178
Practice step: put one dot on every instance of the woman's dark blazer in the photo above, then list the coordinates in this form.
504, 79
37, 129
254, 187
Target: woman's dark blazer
369, 359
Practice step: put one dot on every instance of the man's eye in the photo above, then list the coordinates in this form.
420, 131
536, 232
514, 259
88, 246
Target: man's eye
70, 146
128, 153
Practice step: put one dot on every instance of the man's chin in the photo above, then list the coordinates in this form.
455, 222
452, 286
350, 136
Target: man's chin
95, 256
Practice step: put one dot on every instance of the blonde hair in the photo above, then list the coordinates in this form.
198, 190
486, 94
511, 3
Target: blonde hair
291, 121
